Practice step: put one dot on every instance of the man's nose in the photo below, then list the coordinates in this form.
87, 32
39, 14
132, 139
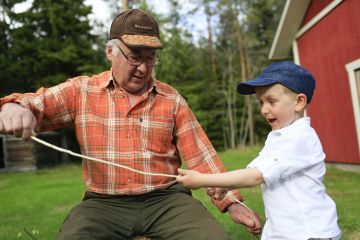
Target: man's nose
143, 67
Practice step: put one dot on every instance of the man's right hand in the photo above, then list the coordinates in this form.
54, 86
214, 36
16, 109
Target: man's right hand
17, 120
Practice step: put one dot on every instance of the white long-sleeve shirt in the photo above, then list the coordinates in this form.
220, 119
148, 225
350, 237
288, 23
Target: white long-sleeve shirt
296, 204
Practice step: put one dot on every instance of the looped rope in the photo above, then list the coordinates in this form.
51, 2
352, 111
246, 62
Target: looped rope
125, 167
98, 160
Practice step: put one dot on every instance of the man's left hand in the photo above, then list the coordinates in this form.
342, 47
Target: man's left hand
242, 215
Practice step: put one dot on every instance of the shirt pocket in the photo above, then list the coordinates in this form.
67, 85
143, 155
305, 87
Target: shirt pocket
156, 133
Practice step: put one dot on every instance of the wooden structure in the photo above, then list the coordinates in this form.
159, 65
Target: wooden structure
19, 155
323, 36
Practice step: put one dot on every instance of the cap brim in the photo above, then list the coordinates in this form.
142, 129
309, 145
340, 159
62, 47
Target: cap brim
141, 41
248, 87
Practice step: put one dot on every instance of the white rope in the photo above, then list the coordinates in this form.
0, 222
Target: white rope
122, 166
243, 204
238, 201
99, 160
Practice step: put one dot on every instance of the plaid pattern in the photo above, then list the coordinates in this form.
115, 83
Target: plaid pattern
153, 136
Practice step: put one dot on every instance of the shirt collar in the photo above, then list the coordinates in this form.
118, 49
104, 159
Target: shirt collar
107, 80
157, 88
110, 82
304, 121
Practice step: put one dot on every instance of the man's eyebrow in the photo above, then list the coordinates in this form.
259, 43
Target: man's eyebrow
135, 50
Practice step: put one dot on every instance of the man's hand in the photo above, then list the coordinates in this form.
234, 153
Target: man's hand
217, 193
17, 120
242, 215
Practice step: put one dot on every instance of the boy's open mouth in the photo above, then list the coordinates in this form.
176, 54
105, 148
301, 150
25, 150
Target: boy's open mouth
271, 120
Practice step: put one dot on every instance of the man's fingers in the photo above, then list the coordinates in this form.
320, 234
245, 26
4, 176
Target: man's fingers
256, 228
17, 126
220, 193
29, 124
2, 128
17, 120
210, 192
7, 126
254, 231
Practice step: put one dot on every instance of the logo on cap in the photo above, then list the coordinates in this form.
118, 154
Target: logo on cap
136, 29
143, 27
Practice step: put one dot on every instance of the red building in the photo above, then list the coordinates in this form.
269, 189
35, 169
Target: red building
324, 37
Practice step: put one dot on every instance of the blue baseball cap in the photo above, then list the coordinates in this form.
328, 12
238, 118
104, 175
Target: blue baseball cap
292, 76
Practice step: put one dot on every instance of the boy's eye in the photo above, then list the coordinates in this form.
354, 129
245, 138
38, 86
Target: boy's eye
271, 101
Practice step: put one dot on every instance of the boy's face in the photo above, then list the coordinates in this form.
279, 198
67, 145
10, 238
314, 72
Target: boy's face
279, 105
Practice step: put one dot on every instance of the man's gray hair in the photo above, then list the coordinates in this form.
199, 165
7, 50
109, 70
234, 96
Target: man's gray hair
114, 45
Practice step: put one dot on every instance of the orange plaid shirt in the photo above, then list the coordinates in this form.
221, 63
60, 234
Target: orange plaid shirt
153, 136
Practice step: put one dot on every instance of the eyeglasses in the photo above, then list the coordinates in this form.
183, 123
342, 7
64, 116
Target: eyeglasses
136, 61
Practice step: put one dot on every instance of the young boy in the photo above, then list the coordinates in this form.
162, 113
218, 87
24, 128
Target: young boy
290, 167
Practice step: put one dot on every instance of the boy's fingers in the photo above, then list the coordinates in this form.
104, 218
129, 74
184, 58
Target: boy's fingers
182, 171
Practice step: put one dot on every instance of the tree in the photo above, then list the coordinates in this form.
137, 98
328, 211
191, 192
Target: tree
10, 76
262, 17
237, 59
51, 42
212, 52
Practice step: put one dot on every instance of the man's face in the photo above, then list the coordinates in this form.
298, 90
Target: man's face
133, 79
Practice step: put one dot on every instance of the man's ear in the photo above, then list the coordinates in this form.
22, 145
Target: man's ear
301, 100
109, 53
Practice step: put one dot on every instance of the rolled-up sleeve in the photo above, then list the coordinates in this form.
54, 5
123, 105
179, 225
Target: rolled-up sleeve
269, 166
294, 155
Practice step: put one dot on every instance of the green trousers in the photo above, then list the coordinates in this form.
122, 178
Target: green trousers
162, 214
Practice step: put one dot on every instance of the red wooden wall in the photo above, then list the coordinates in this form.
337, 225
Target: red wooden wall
325, 50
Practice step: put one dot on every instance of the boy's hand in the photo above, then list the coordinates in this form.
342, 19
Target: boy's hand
217, 193
189, 178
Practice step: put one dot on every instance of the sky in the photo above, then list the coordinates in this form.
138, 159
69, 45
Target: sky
102, 9
196, 23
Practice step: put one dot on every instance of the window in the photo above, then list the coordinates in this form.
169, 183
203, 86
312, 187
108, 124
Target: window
357, 83
353, 70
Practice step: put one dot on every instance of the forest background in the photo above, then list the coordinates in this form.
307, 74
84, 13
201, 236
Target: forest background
53, 40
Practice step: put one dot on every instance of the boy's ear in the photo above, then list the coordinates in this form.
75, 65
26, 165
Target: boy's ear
301, 100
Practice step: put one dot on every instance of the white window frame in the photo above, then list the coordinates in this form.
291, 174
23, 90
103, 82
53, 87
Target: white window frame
351, 68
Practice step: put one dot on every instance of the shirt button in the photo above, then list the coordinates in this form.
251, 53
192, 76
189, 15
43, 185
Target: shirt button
129, 156
275, 159
128, 136
129, 180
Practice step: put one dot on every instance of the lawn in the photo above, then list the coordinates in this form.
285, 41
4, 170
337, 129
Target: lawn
36, 203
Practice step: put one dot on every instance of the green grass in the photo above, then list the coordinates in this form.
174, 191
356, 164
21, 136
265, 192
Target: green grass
38, 202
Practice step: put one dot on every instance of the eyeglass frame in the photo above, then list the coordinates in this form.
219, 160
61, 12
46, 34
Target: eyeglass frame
130, 58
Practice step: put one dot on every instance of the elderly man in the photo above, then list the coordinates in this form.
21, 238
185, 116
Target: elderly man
125, 116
